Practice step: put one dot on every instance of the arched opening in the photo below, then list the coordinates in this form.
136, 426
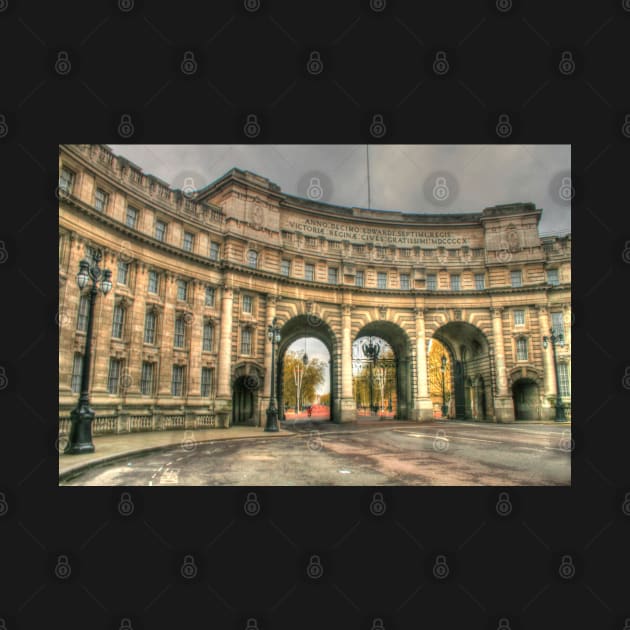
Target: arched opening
525, 394
306, 380
439, 364
382, 378
313, 334
243, 400
468, 356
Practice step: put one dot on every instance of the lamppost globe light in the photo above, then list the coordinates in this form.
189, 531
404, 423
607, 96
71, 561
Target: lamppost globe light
545, 343
277, 337
106, 282
83, 276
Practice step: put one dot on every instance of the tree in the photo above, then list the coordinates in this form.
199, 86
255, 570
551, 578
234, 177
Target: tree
313, 375
435, 372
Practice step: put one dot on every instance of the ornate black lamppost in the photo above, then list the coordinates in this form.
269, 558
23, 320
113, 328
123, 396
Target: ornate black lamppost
80, 440
273, 334
444, 407
559, 340
371, 350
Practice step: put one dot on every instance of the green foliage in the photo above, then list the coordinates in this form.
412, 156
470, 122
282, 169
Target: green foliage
313, 375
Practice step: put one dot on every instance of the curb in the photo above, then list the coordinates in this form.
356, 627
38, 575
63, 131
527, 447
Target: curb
80, 468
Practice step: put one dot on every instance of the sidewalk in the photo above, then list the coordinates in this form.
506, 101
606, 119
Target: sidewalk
110, 447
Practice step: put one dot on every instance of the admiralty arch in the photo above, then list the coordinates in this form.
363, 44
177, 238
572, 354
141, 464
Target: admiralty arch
198, 275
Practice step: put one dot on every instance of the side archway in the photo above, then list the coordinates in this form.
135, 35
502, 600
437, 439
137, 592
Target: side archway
309, 325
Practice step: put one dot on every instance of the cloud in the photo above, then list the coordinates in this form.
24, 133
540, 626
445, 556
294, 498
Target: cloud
486, 175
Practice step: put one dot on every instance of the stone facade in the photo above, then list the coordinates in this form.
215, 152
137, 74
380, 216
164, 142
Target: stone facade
199, 275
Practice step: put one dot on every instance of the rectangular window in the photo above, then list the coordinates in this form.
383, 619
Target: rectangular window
557, 323
101, 199
214, 250
182, 290
77, 369
132, 217
208, 335
82, 314
180, 332
521, 349
246, 341
206, 381
153, 281
146, 379
431, 282
332, 275
519, 317
160, 230
247, 304
252, 258
123, 272
455, 282
66, 179
209, 296
309, 272
480, 281
113, 377
177, 381
516, 278
189, 240
359, 279
118, 322
552, 276
404, 281
564, 385
381, 280
285, 267
149, 327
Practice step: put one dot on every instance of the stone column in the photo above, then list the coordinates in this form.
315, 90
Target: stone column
423, 406
224, 368
549, 374
166, 333
347, 406
503, 404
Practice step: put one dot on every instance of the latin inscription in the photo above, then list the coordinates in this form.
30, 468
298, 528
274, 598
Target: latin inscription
362, 233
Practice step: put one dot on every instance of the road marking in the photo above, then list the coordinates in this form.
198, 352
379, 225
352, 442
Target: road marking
457, 437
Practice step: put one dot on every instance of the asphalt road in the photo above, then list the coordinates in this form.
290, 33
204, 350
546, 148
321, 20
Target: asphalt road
401, 453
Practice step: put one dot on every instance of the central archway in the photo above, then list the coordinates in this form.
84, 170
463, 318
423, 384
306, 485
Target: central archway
471, 370
306, 326
400, 344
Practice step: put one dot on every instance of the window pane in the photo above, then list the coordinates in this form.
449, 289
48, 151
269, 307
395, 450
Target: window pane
123, 269
552, 276
149, 327
214, 251
332, 275
100, 200
66, 179
563, 379
209, 296
516, 278
181, 290
206, 381
117, 325
252, 258
153, 282
132, 215
359, 279
83, 313
521, 349
77, 367
285, 267
381, 280
519, 317
404, 281
246, 341
557, 322
188, 241
208, 333
479, 281
160, 230
180, 326
431, 282
309, 272
113, 376
247, 304
177, 382
146, 381
454, 283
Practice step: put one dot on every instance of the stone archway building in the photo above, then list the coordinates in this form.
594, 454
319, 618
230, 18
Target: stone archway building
198, 276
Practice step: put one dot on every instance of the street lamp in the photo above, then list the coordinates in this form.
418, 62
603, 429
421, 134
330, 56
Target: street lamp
80, 439
298, 373
444, 408
273, 334
559, 340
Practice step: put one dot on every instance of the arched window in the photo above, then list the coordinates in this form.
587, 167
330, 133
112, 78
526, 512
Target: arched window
246, 341
521, 349
252, 258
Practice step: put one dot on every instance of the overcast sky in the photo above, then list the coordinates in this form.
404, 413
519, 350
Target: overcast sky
402, 177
